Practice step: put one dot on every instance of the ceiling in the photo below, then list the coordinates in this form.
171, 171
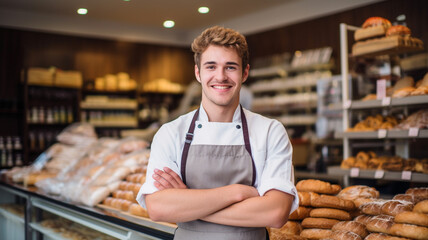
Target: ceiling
141, 20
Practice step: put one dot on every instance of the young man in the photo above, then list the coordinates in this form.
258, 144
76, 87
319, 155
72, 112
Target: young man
220, 172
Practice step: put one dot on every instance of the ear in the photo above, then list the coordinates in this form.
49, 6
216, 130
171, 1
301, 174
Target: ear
197, 74
246, 73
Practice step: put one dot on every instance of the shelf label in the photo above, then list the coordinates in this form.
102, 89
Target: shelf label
413, 132
386, 101
406, 175
347, 104
355, 172
381, 89
381, 133
379, 174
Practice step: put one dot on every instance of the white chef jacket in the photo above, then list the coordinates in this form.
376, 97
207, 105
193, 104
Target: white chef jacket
270, 147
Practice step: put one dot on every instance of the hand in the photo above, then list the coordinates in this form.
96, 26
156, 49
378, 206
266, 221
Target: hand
167, 179
246, 191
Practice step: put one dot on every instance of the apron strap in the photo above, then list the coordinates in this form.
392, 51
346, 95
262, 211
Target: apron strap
187, 142
189, 139
247, 142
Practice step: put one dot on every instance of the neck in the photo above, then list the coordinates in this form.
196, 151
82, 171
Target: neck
217, 113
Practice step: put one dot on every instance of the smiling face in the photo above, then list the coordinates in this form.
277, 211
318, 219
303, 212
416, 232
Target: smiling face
221, 77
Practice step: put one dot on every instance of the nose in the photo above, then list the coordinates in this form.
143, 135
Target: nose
221, 74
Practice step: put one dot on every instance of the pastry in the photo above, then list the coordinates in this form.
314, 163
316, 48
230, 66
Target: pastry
348, 163
358, 191
376, 21
398, 30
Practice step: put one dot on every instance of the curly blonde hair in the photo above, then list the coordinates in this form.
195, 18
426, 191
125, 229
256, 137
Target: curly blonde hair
221, 36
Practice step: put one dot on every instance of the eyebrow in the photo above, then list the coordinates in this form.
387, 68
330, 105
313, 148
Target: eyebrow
227, 63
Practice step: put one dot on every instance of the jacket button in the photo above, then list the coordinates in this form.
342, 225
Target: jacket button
199, 125
238, 126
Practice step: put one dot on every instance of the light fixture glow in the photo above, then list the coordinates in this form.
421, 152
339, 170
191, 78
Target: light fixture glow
168, 24
82, 11
203, 10
126, 0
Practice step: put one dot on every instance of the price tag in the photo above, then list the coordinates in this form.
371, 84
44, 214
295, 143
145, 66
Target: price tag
413, 132
381, 89
347, 104
379, 174
381, 133
386, 101
355, 172
406, 175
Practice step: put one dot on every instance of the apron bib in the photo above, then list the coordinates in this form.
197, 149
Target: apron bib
211, 166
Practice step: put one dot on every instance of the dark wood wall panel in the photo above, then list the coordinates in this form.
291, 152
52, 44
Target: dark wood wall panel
324, 31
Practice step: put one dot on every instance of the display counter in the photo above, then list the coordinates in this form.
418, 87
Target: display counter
110, 222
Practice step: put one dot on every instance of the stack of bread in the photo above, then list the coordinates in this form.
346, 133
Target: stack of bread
377, 35
373, 123
325, 210
370, 160
124, 198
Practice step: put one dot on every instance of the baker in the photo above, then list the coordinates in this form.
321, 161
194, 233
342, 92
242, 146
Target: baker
221, 171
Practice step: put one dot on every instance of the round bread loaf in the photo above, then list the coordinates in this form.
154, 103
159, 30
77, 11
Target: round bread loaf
363, 219
421, 207
409, 231
317, 186
314, 233
300, 213
393, 207
420, 192
383, 236
380, 223
330, 213
351, 226
376, 21
415, 218
326, 201
408, 197
289, 228
305, 198
323, 223
344, 235
358, 191
399, 30
373, 208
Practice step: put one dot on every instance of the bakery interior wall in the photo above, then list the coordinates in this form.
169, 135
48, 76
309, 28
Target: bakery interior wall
21, 49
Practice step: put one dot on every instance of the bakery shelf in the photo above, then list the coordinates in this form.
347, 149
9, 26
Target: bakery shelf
297, 120
282, 84
47, 232
111, 105
392, 45
412, 100
387, 134
378, 174
268, 71
12, 217
284, 106
113, 124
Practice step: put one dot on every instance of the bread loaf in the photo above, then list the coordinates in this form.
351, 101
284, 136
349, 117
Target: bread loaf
420, 192
330, 213
351, 226
363, 219
393, 207
323, 223
398, 30
380, 223
415, 218
383, 236
373, 208
421, 207
137, 210
326, 201
360, 201
407, 197
305, 198
289, 228
409, 231
314, 233
344, 235
300, 213
317, 186
358, 191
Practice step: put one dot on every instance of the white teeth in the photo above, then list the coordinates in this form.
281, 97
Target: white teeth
220, 87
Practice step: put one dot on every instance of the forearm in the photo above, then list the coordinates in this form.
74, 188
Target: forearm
182, 205
270, 210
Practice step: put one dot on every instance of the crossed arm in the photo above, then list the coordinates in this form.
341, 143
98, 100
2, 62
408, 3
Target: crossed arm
236, 204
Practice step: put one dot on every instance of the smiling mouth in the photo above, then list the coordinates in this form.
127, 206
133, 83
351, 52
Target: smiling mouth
221, 87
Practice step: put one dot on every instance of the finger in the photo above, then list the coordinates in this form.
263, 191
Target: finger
170, 179
158, 186
175, 176
162, 181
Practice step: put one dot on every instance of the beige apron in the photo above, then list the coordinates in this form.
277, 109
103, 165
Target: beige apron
211, 166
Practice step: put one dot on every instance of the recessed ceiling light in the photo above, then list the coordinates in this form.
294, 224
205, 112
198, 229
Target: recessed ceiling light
168, 24
82, 11
203, 10
126, 0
